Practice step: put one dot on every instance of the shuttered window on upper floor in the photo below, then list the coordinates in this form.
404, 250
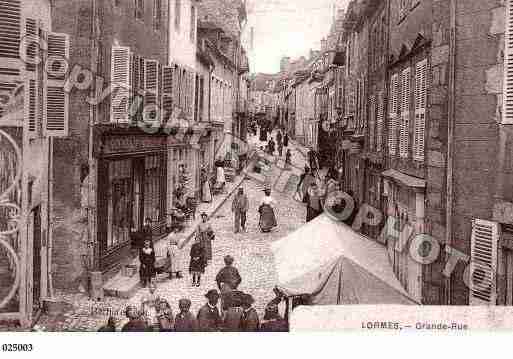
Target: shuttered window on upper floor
151, 90
372, 121
420, 98
380, 109
392, 114
507, 97
10, 28
404, 128
120, 82
56, 98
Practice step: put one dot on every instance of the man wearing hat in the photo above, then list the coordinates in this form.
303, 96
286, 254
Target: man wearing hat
185, 321
228, 275
273, 322
249, 321
209, 319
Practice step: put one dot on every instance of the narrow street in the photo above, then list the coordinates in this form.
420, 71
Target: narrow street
251, 251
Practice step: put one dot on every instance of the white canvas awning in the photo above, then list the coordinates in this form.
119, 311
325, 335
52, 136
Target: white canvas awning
329, 260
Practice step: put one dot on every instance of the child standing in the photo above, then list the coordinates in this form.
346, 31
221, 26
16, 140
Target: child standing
198, 262
174, 255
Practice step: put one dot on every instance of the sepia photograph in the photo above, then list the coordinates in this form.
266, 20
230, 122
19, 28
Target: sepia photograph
255, 166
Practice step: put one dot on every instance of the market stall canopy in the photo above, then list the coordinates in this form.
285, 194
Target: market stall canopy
333, 264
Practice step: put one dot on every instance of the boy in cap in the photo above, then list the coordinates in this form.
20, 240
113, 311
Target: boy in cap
185, 321
209, 319
249, 321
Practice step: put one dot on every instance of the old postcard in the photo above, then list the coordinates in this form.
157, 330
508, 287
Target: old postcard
255, 166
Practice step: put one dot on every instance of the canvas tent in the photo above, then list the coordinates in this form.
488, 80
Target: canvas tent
333, 264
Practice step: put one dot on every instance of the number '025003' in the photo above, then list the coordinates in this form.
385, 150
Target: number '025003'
17, 347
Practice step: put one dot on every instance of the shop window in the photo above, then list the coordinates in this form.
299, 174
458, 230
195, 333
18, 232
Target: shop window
119, 202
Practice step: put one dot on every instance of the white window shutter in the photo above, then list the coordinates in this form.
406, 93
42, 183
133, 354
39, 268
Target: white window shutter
392, 114
10, 28
151, 87
56, 99
483, 263
507, 97
379, 122
58, 48
31, 47
372, 116
167, 90
420, 110
404, 135
120, 80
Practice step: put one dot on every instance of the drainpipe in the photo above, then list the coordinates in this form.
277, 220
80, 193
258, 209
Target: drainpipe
450, 140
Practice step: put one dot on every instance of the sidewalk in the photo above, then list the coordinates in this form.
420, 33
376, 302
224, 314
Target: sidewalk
125, 287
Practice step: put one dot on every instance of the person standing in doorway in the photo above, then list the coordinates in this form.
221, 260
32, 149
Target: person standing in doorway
240, 206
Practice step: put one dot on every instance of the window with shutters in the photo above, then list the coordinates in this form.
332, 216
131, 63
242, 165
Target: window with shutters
157, 14
193, 24
120, 82
31, 107
507, 95
372, 117
10, 29
178, 13
420, 97
379, 122
483, 262
56, 98
31, 47
167, 91
392, 114
139, 9
404, 130
151, 88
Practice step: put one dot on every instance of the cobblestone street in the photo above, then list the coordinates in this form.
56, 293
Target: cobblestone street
251, 251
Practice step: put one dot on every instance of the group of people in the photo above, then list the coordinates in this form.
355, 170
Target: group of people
314, 191
226, 309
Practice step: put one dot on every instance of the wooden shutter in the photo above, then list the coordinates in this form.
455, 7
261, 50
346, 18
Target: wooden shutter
372, 116
392, 114
10, 28
120, 80
507, 98
379, 122
56, 115
167, 91
151, 82
483, 263
30, 104
420, 110
31, 44
404, 135
58, 48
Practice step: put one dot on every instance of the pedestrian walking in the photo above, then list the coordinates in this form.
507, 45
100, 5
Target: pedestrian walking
266, 210
249, 321
165, 317
240, 206
206, 235
288, 159
197, 262
135, 323
206, 193
110, 326
305, 180
185, 320
174, 256
279, 137
228, 275
271, 146
273, 322
286, 140
314, 205
209, 319
147, 263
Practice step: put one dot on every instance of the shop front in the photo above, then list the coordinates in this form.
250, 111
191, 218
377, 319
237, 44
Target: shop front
132, 173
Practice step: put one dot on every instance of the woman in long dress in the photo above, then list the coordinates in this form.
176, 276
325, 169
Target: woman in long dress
206, 194
205, 234
267, 215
